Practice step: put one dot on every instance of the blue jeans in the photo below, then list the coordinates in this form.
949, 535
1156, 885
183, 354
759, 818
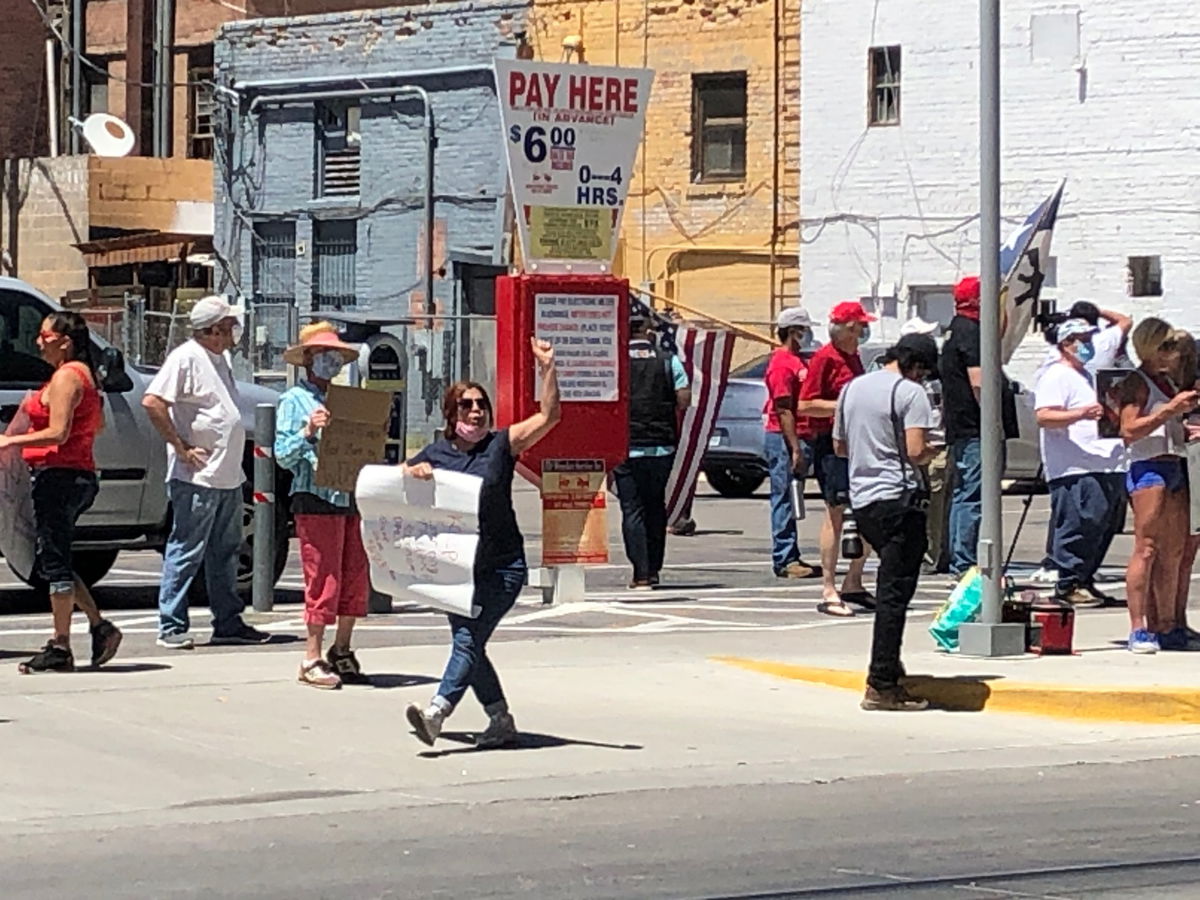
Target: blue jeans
496, 591
206, 529
967, 505
784, 551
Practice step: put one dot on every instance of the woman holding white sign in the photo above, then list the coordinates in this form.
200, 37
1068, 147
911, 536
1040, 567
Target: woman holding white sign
468, 444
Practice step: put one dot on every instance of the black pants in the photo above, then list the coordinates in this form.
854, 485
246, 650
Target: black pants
641, 483
897, 532
60, 497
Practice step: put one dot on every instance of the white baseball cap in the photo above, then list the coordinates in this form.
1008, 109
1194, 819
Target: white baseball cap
917, 325
210, 310
793, 317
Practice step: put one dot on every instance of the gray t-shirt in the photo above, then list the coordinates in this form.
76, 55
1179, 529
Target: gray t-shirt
864, 421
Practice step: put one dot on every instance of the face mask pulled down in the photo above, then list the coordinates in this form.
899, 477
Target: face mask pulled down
472, 434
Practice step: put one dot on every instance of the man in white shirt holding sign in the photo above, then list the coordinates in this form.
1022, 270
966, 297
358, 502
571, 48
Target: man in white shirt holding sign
1084, 471
193, 402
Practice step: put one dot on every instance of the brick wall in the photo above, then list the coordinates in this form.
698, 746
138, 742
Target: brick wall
1118, 119
53, 217
23, 75
144, 193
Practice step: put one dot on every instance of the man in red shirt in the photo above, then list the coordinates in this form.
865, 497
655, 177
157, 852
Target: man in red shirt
831, 369
786, 454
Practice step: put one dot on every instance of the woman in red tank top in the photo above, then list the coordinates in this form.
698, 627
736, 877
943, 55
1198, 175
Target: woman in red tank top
64, 418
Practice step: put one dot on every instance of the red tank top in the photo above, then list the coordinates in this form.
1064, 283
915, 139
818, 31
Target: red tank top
76, 451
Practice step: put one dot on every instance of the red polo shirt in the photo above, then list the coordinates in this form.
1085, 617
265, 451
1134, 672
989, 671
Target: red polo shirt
785, 373
829, 371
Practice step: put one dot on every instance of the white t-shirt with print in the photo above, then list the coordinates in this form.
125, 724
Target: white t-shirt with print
203, 396
1077, 449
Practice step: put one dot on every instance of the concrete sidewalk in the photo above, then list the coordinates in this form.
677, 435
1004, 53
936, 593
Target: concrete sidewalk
194, 738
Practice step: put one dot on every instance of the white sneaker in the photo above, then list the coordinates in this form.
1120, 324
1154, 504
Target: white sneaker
427, 723
1044, 576
501, 732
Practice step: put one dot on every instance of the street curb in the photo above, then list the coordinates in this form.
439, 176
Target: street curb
965, 693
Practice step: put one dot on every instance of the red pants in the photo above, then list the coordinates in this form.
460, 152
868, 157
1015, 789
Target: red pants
336, 571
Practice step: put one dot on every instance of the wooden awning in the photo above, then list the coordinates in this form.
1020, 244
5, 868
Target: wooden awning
146, 247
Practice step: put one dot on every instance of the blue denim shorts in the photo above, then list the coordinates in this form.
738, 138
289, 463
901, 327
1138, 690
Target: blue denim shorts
1153, 473
832, 471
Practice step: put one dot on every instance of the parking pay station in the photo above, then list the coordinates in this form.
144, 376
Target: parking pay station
571, 134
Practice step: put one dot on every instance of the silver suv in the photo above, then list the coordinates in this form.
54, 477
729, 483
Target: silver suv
131, 511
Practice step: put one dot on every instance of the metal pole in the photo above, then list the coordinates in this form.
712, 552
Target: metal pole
51, 97
78, 44
263, 591
988, 637
430, 221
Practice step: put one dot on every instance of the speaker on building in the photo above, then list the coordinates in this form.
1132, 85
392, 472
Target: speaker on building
106, 135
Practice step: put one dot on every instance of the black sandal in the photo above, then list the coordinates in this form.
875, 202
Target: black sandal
865, 599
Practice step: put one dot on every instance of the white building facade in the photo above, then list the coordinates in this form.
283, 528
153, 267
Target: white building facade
1103, 93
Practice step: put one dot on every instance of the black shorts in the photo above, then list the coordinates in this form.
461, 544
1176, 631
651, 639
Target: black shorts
60, 497
832, 471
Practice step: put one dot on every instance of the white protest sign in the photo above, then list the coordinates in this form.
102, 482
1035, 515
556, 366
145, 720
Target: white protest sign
421, 536
583, 330
17, 528
571, 133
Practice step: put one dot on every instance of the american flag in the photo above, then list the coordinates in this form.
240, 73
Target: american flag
705, 354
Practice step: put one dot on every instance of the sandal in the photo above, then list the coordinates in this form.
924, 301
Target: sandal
317, 673
838, 609
865, 599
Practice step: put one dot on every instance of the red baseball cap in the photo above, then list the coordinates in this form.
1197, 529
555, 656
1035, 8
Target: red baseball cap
967, 289
850, 311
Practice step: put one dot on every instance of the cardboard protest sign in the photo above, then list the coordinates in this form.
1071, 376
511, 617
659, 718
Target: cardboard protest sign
17, 528
355, 436
421, 536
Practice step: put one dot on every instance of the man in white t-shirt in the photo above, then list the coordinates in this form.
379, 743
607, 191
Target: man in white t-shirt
882, 424
1085, 472
193, 402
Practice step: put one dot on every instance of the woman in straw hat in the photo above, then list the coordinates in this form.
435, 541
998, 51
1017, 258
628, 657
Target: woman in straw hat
327, 523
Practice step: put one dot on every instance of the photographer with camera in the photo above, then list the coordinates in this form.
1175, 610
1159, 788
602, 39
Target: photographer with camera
882, 425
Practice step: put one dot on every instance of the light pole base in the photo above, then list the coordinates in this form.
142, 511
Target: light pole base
983, 639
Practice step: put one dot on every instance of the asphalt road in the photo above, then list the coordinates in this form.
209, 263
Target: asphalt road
1072, 832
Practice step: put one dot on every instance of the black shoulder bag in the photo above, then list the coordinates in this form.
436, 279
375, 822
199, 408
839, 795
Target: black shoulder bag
914, 498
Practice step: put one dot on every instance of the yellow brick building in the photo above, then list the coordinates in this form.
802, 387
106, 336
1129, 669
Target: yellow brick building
711, 219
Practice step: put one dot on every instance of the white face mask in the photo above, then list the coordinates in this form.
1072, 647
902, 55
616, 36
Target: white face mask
327, 364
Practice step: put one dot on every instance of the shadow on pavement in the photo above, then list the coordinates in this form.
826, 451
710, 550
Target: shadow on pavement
388, 681
526, 740
275, 640
123, 668
954, 693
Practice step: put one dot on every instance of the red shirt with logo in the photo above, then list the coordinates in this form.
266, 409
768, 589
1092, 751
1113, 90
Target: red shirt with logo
829, 371
785, 373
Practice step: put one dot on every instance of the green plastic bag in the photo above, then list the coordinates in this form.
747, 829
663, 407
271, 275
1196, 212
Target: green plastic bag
963, 606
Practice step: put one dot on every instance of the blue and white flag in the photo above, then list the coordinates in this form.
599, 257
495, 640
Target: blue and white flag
1023, 261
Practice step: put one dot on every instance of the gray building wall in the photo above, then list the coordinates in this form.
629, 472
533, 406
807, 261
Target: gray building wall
267, 162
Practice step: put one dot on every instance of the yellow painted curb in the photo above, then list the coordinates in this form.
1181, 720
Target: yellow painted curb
1152, 705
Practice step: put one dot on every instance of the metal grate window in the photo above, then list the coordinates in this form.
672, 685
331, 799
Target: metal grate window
339, 150
335, 248
274, 261
883, 104
719, 127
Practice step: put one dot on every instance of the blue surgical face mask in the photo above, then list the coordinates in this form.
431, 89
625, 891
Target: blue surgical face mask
1084, 352
327, 364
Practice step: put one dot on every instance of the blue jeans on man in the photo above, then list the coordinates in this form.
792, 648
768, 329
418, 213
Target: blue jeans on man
206, 530
966, 507
784, 550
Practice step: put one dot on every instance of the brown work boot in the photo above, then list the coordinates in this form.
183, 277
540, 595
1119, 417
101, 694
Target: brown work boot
895, 699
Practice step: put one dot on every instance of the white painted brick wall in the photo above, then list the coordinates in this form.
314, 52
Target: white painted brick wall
1121, 123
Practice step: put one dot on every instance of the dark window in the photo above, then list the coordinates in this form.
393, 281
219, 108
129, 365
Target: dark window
1145, 276
719, 127
201, 103
335, 246
97, 86
339, 150
21, 363
883, 104
274, 260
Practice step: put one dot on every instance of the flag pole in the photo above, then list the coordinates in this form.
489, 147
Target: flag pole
988, 637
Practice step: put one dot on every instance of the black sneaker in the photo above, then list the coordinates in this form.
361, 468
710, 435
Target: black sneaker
345, 664
106, 638
53, 658
242, 635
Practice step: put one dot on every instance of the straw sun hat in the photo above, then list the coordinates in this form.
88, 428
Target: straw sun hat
314, 338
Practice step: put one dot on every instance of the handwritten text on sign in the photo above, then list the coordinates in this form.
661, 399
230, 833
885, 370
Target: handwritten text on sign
583, 330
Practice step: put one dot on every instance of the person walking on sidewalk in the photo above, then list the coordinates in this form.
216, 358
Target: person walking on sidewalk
962, 380
468, 444
882, 426
1085, 473
193, 403
658, 390
328, 529
829, 371
787, 456
1152, 410
65, 415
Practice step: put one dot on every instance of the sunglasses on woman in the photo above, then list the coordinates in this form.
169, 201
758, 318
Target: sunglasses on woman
466, 404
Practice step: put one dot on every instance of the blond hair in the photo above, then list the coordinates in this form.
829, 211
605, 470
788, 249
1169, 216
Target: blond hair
1149, 337
1185, 369
313, 329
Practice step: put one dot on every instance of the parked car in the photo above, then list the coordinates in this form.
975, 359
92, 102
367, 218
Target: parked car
734, 463
131, 511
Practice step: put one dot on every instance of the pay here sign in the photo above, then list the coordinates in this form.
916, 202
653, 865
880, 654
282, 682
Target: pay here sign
571, 133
